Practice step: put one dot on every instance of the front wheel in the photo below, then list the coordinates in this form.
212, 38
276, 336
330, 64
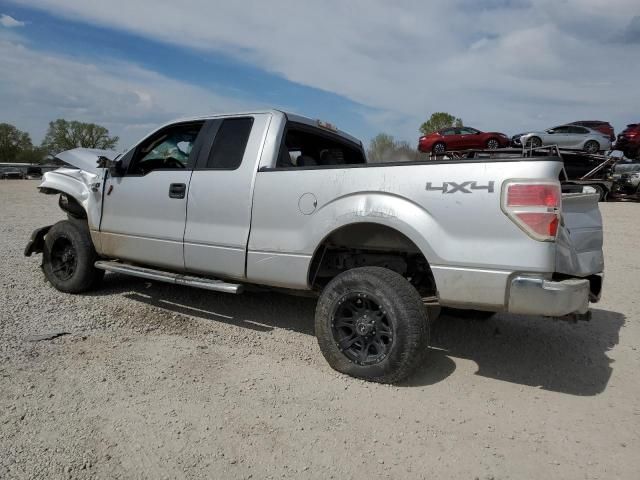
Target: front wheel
371, 323
68, 257
439, 148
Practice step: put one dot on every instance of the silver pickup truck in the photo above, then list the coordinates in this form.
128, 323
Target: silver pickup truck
275, 199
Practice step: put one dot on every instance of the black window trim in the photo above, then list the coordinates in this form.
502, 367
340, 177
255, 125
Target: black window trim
214, 128
193, 155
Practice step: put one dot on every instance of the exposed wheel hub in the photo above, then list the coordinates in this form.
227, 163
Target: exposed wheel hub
365, 326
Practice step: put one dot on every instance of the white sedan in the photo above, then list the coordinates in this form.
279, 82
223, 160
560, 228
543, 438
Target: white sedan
567, 136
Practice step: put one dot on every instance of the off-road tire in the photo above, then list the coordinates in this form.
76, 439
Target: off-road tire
404, 309
74, 236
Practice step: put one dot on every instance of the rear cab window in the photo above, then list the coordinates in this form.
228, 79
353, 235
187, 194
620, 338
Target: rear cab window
306, 146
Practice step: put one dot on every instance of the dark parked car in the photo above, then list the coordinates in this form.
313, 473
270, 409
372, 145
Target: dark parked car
629, 141
604, 127
461, 138
11, 173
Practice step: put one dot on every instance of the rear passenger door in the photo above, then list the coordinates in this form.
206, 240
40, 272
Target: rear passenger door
220, 196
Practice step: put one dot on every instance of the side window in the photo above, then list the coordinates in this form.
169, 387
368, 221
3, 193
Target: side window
468, 131
168, 149
580, 130
449, 131
304, 146
230, 143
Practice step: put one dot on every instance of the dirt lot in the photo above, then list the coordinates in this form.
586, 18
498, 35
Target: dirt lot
156, 381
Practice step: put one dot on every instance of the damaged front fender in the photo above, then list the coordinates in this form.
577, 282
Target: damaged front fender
83, 186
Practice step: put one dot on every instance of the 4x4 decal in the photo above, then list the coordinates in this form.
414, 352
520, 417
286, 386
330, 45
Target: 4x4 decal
464, 187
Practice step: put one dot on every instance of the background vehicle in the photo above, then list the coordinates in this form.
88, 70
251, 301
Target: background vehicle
629, 141
627, 179
284, 201
599, 125
461, 138
566, 136
11, 173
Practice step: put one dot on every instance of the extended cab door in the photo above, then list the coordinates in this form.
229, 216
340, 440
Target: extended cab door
220, 196
144, 211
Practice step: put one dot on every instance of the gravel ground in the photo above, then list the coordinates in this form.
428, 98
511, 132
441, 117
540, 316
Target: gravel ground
157, 381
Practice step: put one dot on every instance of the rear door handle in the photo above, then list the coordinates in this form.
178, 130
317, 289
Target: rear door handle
177, 190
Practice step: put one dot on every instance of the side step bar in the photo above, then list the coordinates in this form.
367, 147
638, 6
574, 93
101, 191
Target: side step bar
169, 277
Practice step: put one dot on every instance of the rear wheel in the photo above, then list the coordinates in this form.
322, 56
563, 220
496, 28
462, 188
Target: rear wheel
371, 323
68, 257
493, 144
592, 146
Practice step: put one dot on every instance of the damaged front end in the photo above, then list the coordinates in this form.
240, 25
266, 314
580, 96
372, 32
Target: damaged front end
80, 188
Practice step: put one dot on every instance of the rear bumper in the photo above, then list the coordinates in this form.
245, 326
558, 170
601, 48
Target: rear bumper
537, 296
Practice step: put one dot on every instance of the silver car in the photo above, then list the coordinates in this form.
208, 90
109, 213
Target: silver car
566, 136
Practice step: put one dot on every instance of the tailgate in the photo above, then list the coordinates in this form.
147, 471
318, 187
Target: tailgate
579, 240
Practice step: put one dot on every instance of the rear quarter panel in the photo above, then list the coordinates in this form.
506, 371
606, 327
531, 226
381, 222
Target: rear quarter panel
459, 233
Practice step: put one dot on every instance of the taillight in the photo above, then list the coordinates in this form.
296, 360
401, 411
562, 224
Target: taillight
534, 207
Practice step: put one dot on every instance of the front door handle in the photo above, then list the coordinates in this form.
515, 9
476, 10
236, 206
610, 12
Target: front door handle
177, 190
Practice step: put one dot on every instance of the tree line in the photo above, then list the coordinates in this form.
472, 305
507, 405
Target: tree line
16, 145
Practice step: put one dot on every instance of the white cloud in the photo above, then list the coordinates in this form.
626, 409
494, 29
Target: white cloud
37, 87
10, 22
499, 64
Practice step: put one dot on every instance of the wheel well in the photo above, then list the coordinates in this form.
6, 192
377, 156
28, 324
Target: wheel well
67, 203
367, 245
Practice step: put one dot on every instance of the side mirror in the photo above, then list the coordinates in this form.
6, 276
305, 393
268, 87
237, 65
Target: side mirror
552, 131
114, 166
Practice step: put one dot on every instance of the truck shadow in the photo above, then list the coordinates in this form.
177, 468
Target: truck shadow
262, 311
532, 351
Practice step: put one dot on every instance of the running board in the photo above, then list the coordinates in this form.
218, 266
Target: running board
169, 277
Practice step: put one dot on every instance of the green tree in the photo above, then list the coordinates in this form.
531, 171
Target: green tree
32, 155
439, 120
12, 142
381, 148
384, 148
64, 135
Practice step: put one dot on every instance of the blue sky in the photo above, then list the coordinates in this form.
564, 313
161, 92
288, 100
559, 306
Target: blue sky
367, 66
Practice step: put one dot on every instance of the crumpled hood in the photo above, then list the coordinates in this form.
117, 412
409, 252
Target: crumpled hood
86, 158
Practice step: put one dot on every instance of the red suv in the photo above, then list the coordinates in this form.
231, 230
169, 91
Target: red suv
461, 138
604, 127
629, 141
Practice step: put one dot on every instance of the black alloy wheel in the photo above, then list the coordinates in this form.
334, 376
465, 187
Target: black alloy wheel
361, 329
63, 258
